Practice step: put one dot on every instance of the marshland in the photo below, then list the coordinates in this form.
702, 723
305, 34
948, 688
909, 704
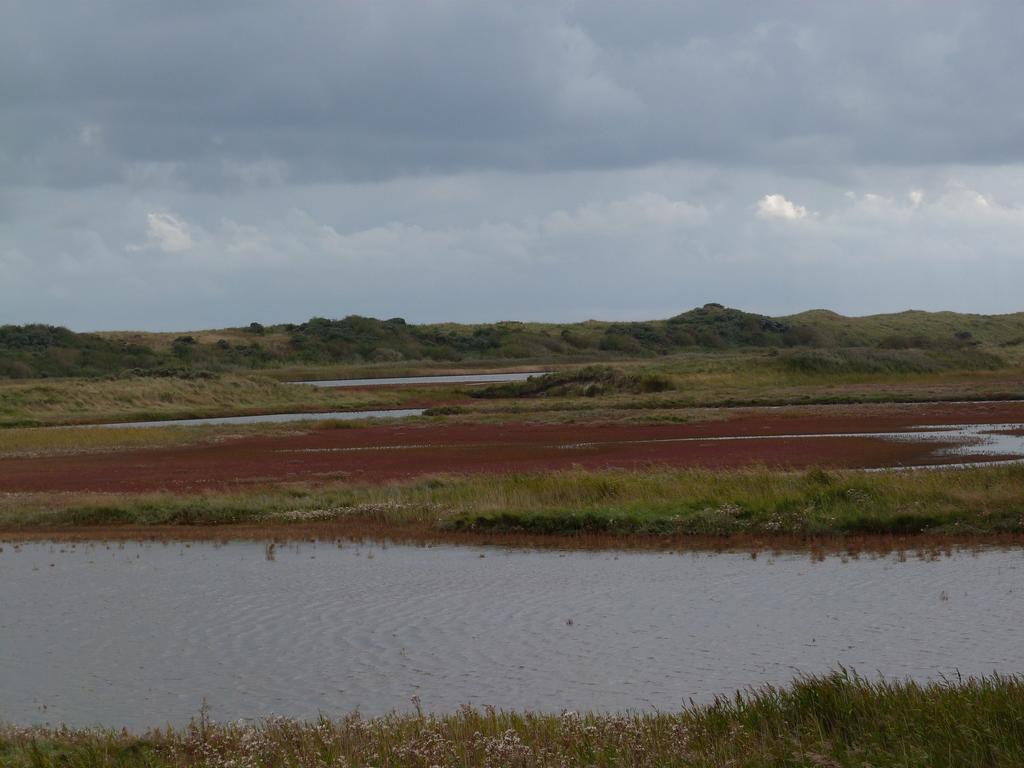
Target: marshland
632, 522
504, 384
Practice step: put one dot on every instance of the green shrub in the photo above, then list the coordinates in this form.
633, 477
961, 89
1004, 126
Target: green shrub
591, 381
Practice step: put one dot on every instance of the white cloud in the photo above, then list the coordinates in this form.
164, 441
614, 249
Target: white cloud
90, 135
166, 232
633, 215
778, 207
960, 200
302, 240
477, 247
957, 203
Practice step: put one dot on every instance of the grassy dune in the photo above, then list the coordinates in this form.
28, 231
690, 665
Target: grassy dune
836, 720
36, 351
1005, 330
659, 505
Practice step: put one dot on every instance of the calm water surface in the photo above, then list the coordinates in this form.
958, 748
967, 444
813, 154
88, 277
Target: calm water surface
140, 634
276, 418
466, 378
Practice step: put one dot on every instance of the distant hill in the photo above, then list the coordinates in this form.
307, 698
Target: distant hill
910, 329
35, 351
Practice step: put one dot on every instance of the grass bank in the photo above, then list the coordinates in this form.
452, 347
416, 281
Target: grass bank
59, 441
140, 398
758, 377
667, 506
632, 387
836, 720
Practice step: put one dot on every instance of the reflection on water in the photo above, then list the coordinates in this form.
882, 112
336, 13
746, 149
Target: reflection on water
975, 440
467, 378
141, 634
978, 443
276, 418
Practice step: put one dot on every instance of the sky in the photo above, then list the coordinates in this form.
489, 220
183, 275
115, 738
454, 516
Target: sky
196, 164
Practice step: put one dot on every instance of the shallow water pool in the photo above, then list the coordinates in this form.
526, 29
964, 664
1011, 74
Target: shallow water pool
142, 634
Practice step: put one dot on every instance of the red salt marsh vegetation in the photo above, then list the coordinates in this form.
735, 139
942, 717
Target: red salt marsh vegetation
747, 478
382, 453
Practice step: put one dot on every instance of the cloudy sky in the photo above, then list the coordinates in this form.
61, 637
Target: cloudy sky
186, 164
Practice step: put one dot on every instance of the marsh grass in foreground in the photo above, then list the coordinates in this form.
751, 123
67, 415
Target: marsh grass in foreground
835, 720
654, 503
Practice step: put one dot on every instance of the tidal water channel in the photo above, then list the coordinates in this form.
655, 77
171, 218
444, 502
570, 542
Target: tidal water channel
273, 418
142, 634
404, 381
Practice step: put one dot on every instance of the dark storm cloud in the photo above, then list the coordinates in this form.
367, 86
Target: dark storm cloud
222, 91
473, 160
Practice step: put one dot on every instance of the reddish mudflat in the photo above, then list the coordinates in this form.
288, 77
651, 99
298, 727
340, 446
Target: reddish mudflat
380, 453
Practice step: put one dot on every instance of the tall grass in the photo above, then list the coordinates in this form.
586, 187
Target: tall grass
679, 503
836, 720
